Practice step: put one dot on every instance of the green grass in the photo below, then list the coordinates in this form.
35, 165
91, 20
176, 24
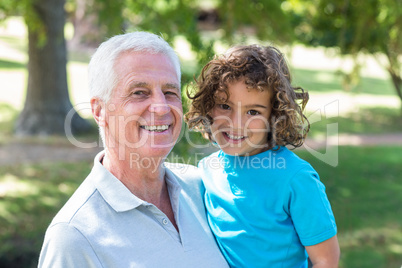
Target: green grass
365, 121
30, 195
365, 191
317, 81
328, 81
11, 65
8, 115
15, 42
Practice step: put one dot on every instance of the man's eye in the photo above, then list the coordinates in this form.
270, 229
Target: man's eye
138, 92
170, 93
253, 112
224, 106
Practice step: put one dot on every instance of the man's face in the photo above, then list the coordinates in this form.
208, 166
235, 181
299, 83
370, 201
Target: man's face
144, 114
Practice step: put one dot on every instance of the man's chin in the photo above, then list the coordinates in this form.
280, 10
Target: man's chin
156, 150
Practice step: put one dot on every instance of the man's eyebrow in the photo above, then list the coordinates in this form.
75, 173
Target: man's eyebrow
139, 84
171, 85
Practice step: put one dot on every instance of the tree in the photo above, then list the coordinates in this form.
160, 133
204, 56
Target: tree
371, 26
236, 20
233, 20
88, 32
94, 20
47, 101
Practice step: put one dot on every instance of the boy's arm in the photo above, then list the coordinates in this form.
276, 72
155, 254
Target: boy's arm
325, 254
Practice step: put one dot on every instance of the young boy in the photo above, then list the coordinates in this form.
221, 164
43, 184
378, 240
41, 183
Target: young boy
266, 206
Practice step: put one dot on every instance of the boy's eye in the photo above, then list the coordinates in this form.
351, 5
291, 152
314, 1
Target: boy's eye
253, 112
224, 106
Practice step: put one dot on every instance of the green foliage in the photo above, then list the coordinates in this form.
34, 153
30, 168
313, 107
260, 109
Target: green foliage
171, 19
371, 26
236, 21
28, 10
345, 24
9, 7
266, 19
113, 23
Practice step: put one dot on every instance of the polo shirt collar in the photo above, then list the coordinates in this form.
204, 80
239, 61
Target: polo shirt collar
115, 193
118, 196
174, 189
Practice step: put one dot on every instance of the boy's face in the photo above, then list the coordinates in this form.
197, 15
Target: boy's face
241, 124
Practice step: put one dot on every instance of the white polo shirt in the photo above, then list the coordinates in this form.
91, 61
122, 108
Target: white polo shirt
105, 225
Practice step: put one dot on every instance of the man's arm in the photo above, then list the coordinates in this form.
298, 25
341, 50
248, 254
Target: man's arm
65, 246
325, 254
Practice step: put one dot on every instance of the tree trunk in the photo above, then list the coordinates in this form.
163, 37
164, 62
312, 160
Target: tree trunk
397, 81
47, 101
394, 71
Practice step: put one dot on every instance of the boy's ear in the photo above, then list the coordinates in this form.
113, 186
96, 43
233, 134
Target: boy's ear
98, 111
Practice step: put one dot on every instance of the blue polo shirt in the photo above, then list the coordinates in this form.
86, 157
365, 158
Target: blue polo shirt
264, 209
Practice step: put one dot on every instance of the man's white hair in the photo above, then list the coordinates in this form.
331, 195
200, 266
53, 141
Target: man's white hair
101, 74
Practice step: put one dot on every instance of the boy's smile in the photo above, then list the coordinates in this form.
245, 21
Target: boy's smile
241, 123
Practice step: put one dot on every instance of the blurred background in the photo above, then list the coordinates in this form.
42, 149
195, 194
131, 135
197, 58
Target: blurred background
347, 54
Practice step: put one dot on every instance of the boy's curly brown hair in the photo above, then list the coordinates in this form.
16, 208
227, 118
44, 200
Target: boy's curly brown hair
262, 68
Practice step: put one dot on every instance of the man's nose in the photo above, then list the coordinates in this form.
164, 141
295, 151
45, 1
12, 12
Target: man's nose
159, 104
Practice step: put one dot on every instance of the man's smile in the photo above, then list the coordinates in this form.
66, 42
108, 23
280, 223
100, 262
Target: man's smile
156, 128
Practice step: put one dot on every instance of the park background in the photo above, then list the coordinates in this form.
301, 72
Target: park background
347, 54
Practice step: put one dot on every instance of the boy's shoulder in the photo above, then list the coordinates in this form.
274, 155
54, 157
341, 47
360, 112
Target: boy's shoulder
297, 169
292, 159
282, 163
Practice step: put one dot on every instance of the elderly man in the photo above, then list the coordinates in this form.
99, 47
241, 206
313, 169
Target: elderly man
133, 210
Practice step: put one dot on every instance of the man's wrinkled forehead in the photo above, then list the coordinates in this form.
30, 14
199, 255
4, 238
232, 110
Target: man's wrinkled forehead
146, 53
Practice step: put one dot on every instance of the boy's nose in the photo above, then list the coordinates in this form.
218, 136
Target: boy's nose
237, 120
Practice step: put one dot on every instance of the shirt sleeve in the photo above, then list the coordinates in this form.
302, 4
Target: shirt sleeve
65, 246
310, 209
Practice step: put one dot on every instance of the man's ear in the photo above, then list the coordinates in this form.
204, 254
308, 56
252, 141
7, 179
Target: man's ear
98, 111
